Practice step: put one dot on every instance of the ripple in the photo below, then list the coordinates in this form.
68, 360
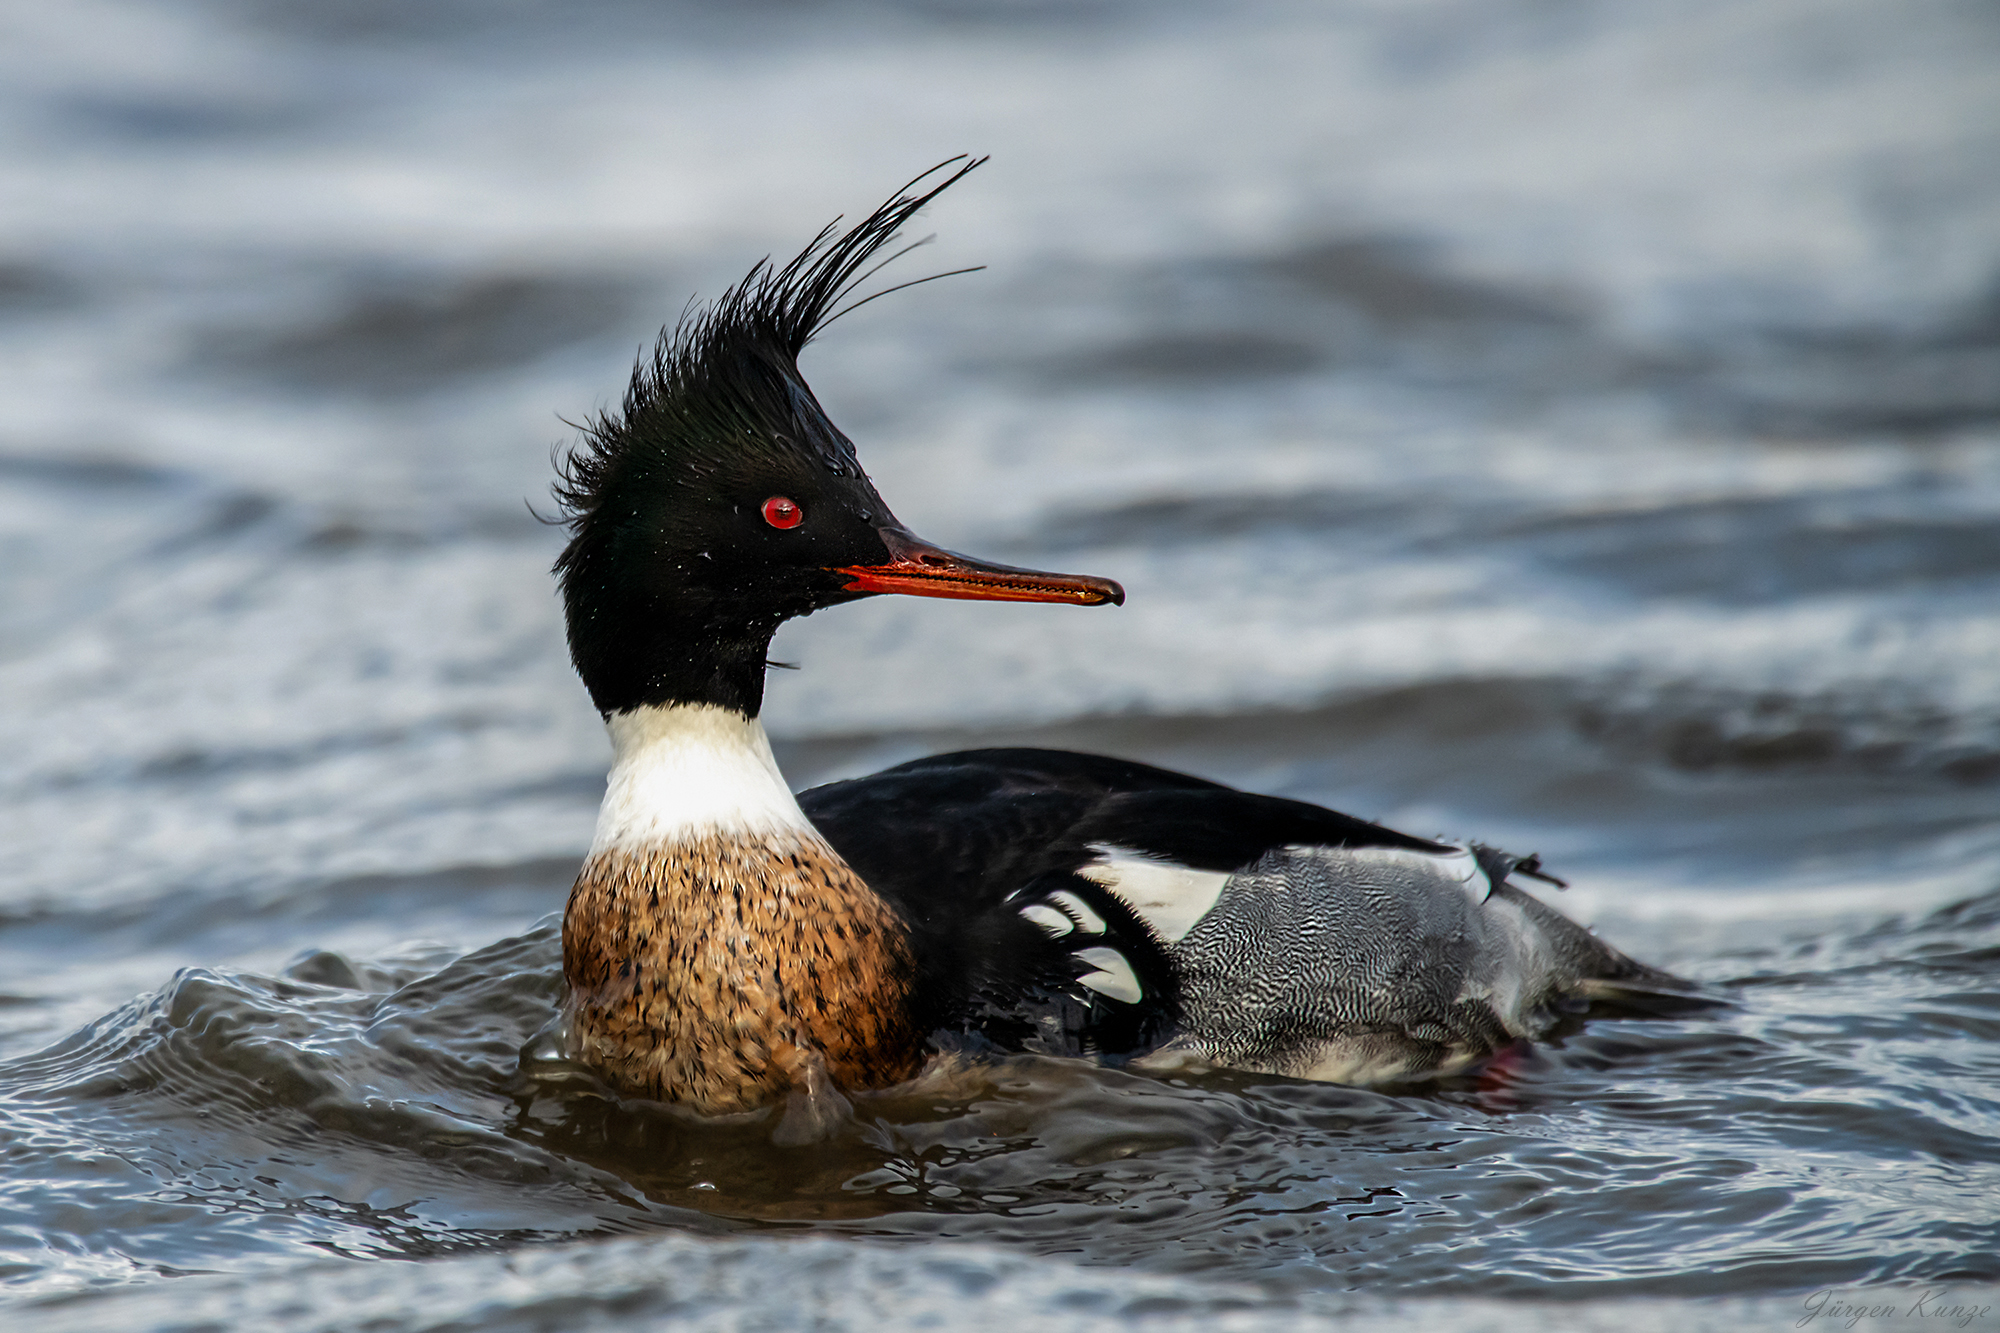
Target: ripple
360, 1109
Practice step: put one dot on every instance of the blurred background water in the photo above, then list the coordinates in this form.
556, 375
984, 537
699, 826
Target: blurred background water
1573, 425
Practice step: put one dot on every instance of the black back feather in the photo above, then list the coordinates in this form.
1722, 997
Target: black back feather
961, 843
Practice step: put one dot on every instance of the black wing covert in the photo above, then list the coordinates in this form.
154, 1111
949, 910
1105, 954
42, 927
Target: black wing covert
982, 851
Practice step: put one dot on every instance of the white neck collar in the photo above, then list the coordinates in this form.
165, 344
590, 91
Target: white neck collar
684, 771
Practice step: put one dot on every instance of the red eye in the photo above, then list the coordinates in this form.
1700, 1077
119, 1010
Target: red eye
782, 513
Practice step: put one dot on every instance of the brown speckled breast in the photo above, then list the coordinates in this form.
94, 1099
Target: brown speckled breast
723, 973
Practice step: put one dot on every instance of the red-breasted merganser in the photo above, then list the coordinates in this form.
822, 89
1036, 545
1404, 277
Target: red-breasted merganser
728, 943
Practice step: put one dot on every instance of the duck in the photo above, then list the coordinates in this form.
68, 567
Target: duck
729, 944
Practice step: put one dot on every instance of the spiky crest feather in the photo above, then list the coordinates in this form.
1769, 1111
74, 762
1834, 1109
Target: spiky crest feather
760, 324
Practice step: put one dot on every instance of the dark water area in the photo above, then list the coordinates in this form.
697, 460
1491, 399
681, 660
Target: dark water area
1565, 425
1828, 1126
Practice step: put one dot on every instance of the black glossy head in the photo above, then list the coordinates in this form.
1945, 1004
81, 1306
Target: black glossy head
675, 577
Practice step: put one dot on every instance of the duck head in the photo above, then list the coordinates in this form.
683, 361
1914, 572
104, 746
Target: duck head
720, 501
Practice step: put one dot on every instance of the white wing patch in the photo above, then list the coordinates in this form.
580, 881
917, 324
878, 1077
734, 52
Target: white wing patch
1114, 978
1078, 911
1168, 896
1049, 919
1062, 912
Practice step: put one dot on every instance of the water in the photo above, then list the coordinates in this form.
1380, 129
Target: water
1568, 425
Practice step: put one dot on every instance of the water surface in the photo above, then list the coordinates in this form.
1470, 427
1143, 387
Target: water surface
1565, 425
